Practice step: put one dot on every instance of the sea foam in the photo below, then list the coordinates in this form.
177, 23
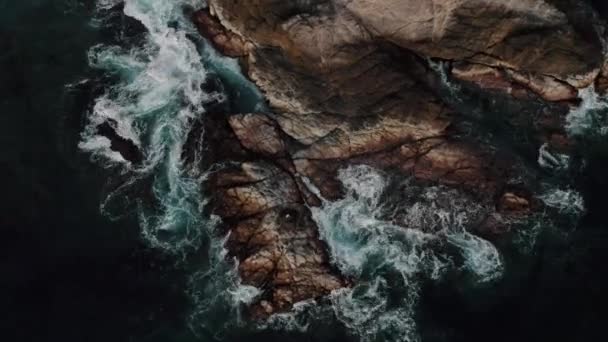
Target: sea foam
157, 95
390, 249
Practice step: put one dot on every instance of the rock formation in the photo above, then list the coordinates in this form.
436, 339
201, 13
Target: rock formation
386, 83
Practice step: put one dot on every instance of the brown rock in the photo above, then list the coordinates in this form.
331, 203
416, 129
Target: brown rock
253, 189
279, 251
258, 133
515, 83
272, 235
512, 203
326, 56
225, 41
350, 82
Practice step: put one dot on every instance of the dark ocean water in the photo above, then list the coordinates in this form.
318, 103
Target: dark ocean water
68, 273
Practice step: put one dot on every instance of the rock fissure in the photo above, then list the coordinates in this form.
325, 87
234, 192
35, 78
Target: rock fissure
348, 84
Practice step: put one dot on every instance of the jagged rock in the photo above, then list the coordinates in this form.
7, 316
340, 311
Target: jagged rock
356, 82
258, 133
265, 205
273, 236
314, 56
253, 189
279, 251
518, 84
229, 43
489, 78
510, 202
527, 36
422, 120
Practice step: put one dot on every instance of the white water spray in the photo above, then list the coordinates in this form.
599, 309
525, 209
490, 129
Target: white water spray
565, 201
552, 160
590, 117
388, 249
158, 94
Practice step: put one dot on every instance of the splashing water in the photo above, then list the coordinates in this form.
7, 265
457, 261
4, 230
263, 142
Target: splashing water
390, 251
218, 295
107, 4
552, 160
481, 257
297, 319
441, 68
589, 118
565, 201
157, 96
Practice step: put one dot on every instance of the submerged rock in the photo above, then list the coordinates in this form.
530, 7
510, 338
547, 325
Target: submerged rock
385, 84
127, 148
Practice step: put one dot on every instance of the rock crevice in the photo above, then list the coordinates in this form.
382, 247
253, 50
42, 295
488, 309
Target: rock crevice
354, 82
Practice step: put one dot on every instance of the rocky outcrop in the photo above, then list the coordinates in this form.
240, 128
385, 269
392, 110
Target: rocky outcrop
319, 45
262, 195
273, 236
431, 91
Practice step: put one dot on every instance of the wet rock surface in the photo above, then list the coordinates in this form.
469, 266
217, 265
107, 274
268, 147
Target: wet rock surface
262, 195
314, 55
386, 84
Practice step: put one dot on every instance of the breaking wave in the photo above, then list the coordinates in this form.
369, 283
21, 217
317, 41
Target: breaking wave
391, 249
550, 160
157, 95
589, 118
389, 241
565, 201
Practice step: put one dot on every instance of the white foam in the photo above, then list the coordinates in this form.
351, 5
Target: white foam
297, 319
589, 116
107, 4
218, 294
566, 201
77, 83
365, 311
158, 95
245, 294
372, 242
441, 68
481, 256
355, 232
552, 160
100, 146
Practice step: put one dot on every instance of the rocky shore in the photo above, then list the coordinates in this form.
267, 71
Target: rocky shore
462, 94
390, 84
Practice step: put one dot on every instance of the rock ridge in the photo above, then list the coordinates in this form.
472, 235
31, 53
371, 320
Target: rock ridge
425, 90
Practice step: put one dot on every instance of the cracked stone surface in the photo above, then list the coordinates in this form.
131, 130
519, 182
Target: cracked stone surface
388, 84
338, 56
273, 236
265, 205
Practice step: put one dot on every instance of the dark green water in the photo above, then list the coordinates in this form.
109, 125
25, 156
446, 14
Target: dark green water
68, 273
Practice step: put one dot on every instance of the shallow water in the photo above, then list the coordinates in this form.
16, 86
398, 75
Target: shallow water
89, 253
